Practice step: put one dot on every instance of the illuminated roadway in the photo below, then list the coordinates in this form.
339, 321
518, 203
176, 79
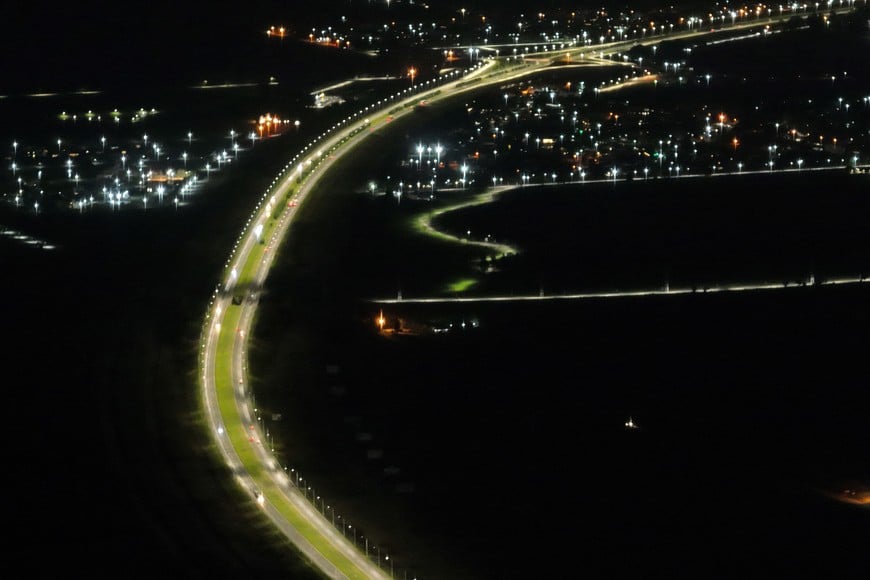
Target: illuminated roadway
273, 490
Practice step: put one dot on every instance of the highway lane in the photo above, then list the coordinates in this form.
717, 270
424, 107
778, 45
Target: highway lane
270, 497
271, 487
281, 491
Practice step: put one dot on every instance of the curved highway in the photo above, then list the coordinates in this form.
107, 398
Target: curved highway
231, 311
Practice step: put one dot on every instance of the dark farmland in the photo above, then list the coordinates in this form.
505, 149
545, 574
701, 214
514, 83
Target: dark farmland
495, 451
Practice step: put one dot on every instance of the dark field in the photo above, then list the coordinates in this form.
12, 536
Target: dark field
108, 465
504, 445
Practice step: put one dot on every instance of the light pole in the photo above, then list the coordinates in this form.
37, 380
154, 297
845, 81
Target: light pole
189, 138
660, 156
